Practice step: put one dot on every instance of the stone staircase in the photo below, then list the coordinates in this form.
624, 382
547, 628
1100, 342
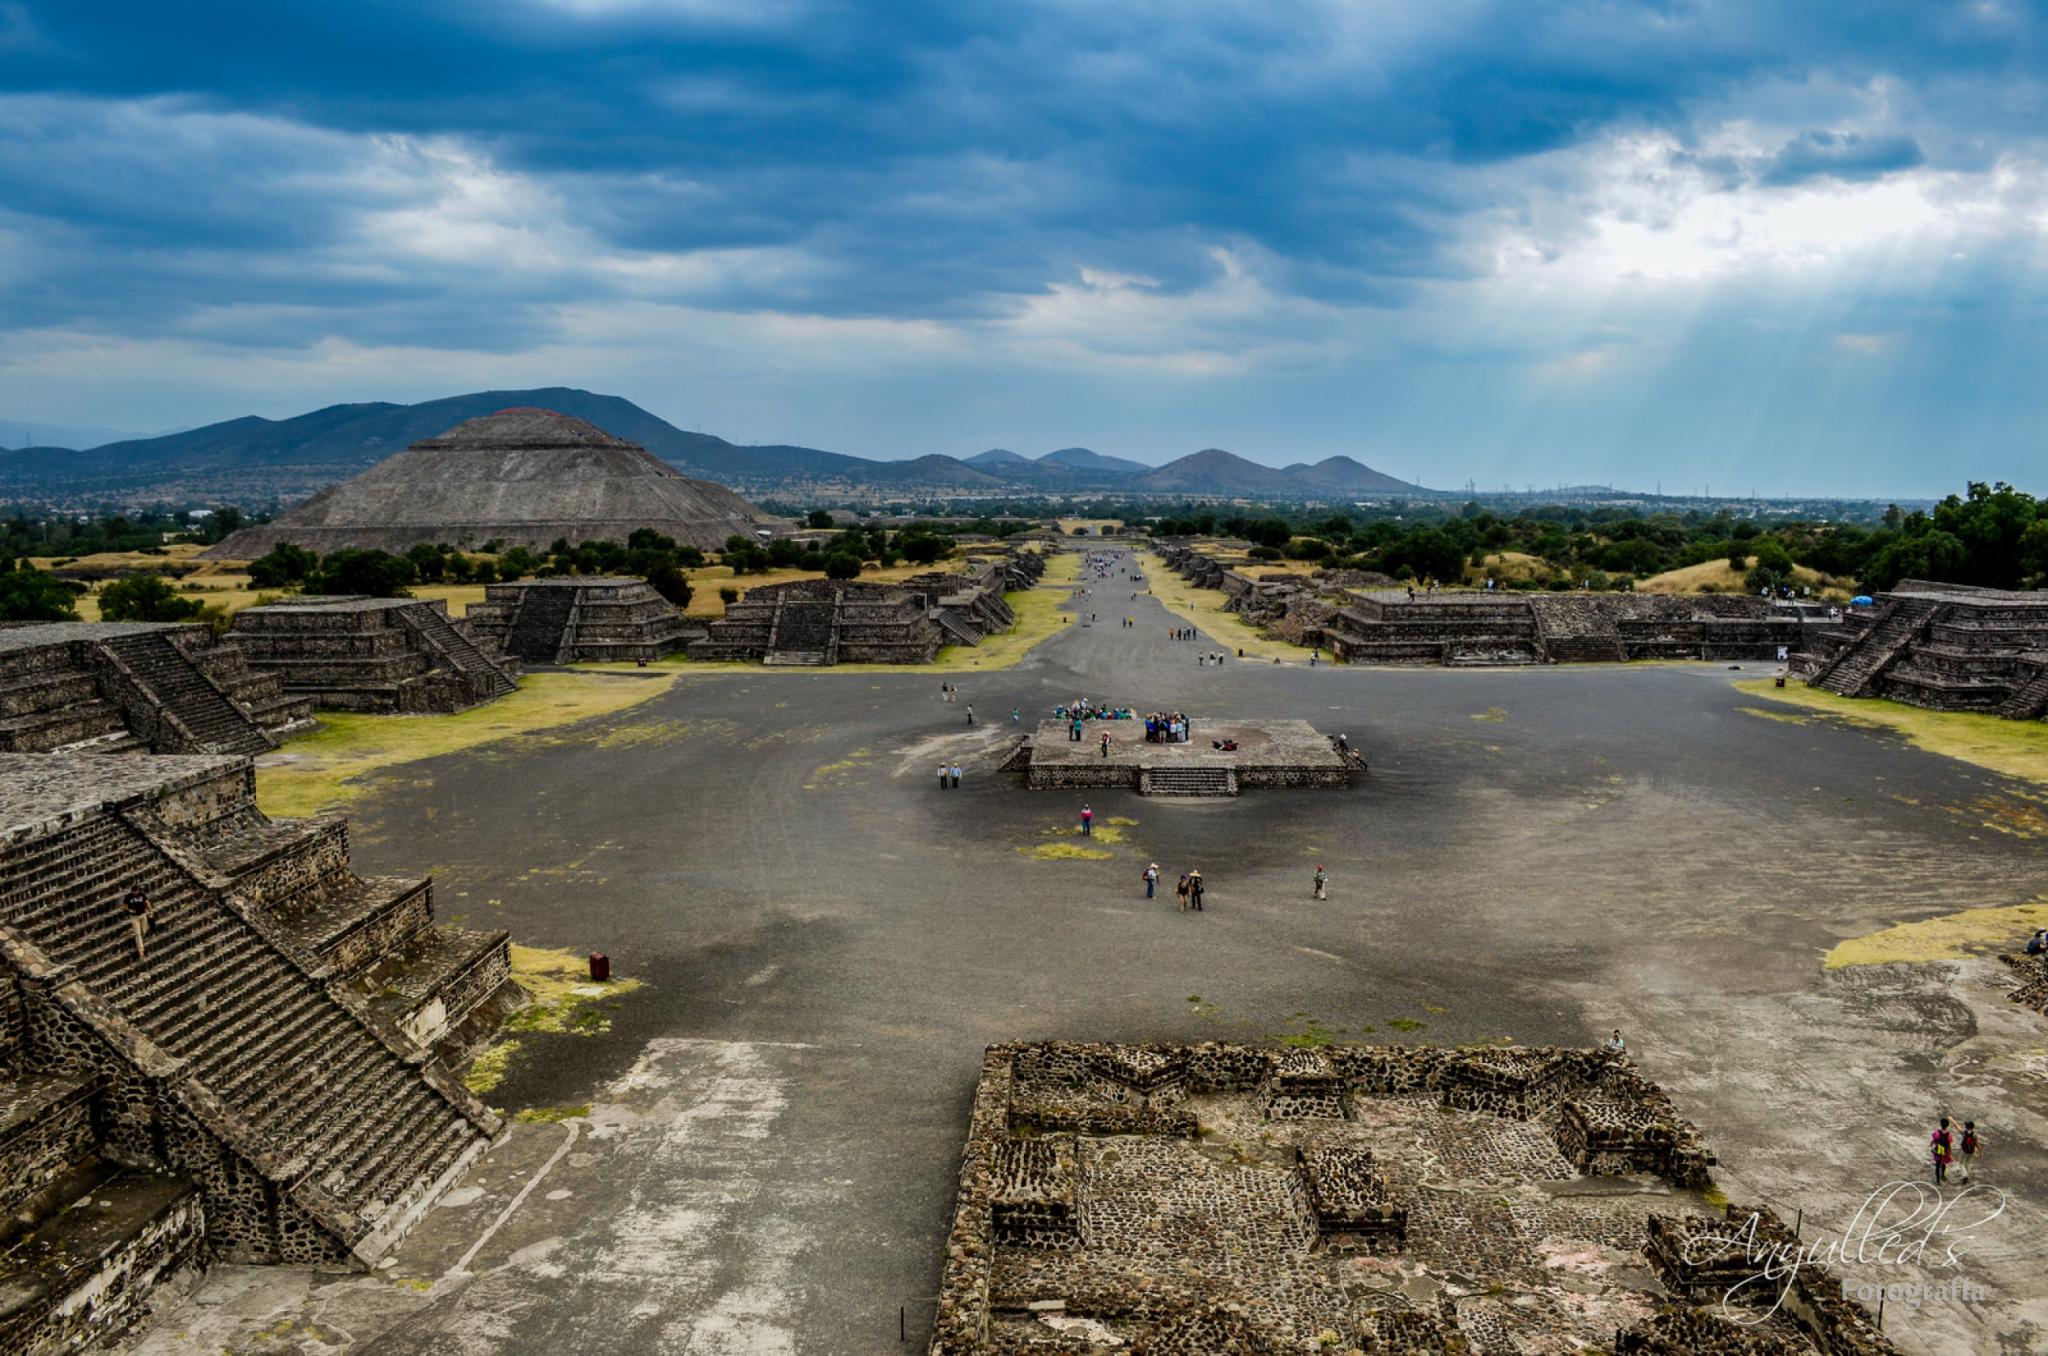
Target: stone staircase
540, 624
802, 633
485, 675
347, 1130
958, 630
1856, 667
2028, 699
215, 723
1194, 780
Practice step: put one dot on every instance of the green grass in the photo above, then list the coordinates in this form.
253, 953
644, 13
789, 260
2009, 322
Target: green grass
2017, 748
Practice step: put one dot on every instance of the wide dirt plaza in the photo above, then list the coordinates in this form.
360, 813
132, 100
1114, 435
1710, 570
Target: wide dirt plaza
757, 1150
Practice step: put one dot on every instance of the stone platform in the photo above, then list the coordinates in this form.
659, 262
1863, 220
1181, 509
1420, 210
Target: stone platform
1208, 1199
1269, 753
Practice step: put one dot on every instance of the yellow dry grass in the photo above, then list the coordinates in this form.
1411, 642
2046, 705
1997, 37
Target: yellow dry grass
1204, 608
1725, 578
1510, 566
1065, 852
1949, 937
337, 763
2017, 748
1094, 525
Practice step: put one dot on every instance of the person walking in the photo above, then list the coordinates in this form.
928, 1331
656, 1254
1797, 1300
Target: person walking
956, 776
1322, 882
970, 713
1087, 821
141, 916
1105, 743
1182, 890
1970, 1145
1016, 716
1151, 879
1941, 1144
1195, 890
942, 776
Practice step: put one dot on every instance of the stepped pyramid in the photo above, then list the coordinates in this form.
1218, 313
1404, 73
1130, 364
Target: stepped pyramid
523, 477
266, 1084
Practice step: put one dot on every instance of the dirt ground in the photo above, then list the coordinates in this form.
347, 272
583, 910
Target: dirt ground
756, 1151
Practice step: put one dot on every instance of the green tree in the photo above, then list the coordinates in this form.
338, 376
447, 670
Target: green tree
286, 564
818, 518
374, 574
842, 565
146, 598
27, 594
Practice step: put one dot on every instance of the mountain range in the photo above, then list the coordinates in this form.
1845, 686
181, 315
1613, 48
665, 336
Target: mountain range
260, 462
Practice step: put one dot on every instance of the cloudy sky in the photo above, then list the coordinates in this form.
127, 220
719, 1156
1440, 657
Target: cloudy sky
1790, 247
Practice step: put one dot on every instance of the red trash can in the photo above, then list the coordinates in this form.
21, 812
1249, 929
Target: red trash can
600, 966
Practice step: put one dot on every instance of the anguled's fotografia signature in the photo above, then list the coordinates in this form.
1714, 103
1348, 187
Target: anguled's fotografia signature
1901, 1224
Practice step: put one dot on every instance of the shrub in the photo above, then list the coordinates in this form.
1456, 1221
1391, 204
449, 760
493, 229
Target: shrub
670, 583
27, 594
728, 595
375, 574
146, 598
840, 566
287, 564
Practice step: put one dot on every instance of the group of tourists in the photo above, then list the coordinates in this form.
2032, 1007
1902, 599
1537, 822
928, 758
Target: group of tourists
1208, 658
1082, 709
1180, 633
1188, 890
1166, 727
1947, 1144
949, 776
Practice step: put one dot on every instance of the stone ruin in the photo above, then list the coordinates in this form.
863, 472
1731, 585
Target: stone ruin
372, 654
2031, 974
1460, 628
814, 622
126, 687
826, 621
1947, 647
1217, 1198
580, 619
1269, 754
272, 1084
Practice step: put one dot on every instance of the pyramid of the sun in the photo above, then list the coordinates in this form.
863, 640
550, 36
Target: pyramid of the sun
523, 477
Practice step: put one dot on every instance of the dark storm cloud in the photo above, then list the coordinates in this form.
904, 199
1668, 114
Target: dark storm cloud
1841, 155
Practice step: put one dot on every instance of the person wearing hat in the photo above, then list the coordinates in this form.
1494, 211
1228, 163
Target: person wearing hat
1195, 890
1322, 880
1151, 879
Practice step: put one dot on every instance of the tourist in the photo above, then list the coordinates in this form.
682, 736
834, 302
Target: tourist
1182, 891
1151, 879
1087, 821
1941, 1144
1614, 1047
1322, 882
942, 775
1970, 1145
956, 776
1016, 716
1195, 890
970, 713
141, 916
2038, 943
1105, 743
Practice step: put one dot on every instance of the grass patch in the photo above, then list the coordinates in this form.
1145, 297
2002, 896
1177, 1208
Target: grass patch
1718, 576
1493, 715
564, 996
488, 1069
548, 1115
1949, 937
1065, 852
837, 773
1406, 1024
1204, 608
330, 768
2017, 748
1782, 717
1123, 821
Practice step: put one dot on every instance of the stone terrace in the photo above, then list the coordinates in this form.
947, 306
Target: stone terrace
577, 620
1190, 1199
1270, 753
1942, 646
372, 654
239, 1093
122, 687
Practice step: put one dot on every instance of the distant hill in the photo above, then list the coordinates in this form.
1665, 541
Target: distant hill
260, 462
1087, 459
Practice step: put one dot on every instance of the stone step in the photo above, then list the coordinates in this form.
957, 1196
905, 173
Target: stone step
1187, 781
124, 1234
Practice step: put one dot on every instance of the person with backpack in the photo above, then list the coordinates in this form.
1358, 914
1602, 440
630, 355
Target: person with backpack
1970, 1145
1322, 882
1151, 879
1941, 1144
